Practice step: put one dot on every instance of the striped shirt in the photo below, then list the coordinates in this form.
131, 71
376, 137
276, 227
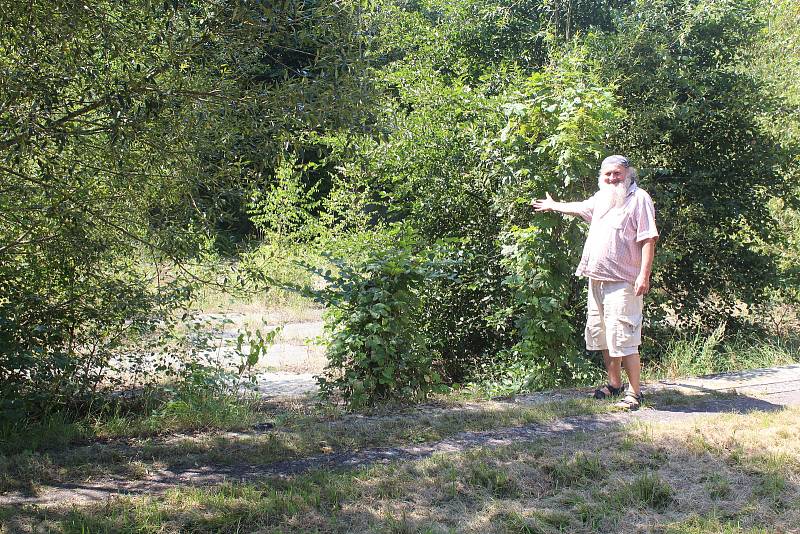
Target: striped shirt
613, 248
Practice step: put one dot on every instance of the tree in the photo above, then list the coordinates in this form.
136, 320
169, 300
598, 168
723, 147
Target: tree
693, 127
461, 149
130, 130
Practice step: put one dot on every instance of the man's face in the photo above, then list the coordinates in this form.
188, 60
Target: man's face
611, 175
613, 182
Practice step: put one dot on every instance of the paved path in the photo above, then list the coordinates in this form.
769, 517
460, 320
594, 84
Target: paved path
283, 384
759, 390
779, 384
775, 383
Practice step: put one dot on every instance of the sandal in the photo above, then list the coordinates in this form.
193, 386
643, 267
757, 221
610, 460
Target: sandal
607, 391
631, 401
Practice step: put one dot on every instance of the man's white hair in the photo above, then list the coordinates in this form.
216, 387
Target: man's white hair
632, 174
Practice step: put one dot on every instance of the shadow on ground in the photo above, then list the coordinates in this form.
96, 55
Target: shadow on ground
155, 465
538, 478
706, 401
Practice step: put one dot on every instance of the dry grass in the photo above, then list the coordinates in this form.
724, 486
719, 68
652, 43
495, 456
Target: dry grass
276, 306
300, 431
719, 473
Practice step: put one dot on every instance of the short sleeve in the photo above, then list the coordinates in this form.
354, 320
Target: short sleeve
586, 208
645, 218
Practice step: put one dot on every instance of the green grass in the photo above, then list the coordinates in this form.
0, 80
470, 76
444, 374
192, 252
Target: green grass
699, 354
493, 478
582, 468
533, 522
502, 489
52, 432
131, 447
706, 525
718, 486
157, 414
771, 486
299, 431
741, 472
647, 490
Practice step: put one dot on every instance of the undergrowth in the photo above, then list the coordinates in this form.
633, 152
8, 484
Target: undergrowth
697, 354
204, 398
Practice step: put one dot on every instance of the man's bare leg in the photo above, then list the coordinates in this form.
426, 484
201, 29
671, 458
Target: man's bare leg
633, 368
614, 369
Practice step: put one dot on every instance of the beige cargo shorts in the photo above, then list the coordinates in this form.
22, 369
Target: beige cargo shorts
614, 318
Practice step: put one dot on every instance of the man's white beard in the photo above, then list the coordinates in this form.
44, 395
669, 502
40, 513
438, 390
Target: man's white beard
611, 196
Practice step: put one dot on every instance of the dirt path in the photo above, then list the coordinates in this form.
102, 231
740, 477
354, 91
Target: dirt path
776, 389
290, 365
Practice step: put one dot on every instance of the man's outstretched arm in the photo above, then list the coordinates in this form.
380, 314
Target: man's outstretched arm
567, 208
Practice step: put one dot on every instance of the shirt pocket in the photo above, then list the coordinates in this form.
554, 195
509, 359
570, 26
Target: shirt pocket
624, 225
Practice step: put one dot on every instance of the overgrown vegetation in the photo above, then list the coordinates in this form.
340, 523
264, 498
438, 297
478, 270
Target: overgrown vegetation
146, 144
472, 134
160, 160
703, 354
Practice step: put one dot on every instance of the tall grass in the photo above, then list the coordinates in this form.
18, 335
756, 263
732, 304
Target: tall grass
698, 354
203, 399
257, 281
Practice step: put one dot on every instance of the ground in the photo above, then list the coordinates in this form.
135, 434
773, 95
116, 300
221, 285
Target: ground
289, 366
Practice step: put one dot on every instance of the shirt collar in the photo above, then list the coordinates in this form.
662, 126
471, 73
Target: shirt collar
632, 189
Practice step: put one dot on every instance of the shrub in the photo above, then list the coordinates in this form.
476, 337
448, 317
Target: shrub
377, 347
708, 163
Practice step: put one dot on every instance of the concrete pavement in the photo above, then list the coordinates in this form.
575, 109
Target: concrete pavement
778, 385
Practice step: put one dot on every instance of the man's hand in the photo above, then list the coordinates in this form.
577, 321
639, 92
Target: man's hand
544, 204
642, 284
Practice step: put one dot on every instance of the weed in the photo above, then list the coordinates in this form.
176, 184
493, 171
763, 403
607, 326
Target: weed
692, 356
704, 525
702, 354
493, 478
582, 467
533, 522
777, 462
646, 490
402, 525
717, 486
52, 432
699, 444
770, 486
595, 515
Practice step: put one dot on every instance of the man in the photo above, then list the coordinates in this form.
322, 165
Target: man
617, 258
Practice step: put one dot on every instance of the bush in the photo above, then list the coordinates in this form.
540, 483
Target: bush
378, 349
137, 136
